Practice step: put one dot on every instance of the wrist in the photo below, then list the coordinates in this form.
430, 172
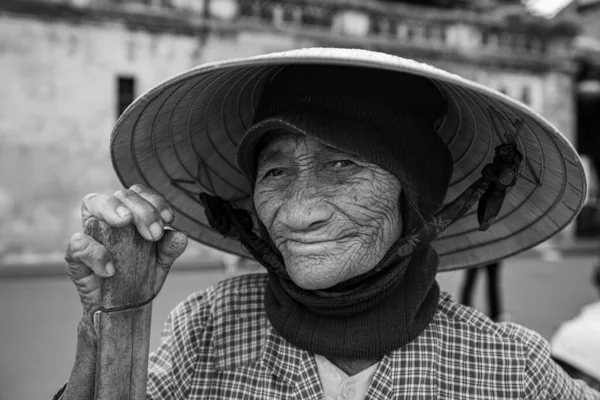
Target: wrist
82, 380
86, 333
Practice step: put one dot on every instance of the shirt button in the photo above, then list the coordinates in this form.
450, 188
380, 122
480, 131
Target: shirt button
349, 391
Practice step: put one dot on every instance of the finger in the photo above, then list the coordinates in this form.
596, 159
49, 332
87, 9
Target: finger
105, 207
157, 200
85, 257
89, 292
170, 248
145, 217
80, 248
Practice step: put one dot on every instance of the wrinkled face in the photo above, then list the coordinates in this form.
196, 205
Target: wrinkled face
331, 215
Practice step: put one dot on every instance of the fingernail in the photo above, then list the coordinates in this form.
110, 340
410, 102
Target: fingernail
167, 215
123, 212
109, 269
156, 230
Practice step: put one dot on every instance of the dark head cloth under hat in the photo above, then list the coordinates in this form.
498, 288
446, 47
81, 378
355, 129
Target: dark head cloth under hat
381, 116
181, 138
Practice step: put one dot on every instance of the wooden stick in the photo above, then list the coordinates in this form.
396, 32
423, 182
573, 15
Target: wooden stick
124, 336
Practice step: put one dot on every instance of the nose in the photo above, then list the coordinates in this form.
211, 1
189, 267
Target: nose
305, 211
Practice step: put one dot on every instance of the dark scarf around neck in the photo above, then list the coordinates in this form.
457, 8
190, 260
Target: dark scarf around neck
383, 313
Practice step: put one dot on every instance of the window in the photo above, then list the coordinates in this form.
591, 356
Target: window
526, 95
485, 38
443, 34
410, 32
125, 93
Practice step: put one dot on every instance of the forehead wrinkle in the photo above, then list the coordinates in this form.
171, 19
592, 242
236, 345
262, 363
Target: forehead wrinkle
275, 146
271, 155
297, 147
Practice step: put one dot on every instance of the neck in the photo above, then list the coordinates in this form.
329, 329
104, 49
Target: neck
353, 366
382, 314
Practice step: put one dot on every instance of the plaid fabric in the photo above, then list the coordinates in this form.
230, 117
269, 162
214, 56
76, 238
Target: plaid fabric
219, 344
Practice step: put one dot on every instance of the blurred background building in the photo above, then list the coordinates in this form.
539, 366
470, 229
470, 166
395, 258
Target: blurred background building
587, 53
70, 67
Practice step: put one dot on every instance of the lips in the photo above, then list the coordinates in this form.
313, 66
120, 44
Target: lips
304, 248
310, 241
313, 239
311, 244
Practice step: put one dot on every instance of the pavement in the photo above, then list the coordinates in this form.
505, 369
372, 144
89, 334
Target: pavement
39, 313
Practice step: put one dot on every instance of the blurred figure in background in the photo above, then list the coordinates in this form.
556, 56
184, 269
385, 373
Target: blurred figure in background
494, 300
576, 343
588, 145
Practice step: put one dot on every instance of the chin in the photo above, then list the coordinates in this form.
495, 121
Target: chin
308, 284
310, 274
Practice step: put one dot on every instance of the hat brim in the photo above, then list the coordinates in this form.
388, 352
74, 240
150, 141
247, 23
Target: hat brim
180, 139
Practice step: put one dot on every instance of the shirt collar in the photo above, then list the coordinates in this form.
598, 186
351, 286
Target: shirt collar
410, 368
295, 366
397, 376
283, 359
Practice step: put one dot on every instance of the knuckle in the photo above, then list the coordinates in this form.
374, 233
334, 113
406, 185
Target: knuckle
87, 251
138, 188
89, 196
150, 195
72, 269
150, 214
122, 193
126, 194
85, 202
77, 241
91, 251
78, 238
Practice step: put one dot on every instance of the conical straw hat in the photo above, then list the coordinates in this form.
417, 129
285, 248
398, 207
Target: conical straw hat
180, 139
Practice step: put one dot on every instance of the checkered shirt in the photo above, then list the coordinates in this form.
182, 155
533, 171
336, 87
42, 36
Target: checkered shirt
219, 344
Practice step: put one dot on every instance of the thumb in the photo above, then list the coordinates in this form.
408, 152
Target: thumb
170, 247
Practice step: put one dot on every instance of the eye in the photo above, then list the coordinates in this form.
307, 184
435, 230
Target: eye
273, 173
342, 163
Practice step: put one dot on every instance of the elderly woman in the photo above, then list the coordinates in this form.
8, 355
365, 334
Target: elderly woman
353, 178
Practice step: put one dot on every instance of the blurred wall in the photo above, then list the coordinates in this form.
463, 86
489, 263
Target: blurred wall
58, 103
60, 64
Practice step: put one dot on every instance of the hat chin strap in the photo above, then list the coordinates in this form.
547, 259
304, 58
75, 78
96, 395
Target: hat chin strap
489, 190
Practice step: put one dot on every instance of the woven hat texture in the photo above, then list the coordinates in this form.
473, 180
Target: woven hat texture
180, 138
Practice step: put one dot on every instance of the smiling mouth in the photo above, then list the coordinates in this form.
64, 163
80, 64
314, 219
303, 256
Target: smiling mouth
307, 248
314, 243
310, 241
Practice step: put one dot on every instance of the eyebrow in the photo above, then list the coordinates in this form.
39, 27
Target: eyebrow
270, 156
276, 154
336, 152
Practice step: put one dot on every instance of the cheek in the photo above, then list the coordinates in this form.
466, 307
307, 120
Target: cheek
376, 222
266, 204
373, 203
